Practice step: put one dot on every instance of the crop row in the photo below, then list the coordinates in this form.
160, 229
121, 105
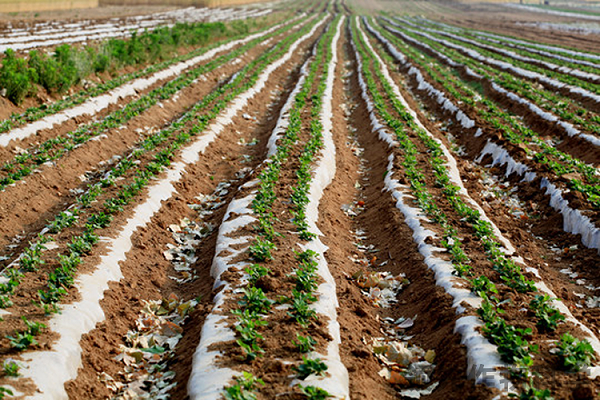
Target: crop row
574, 220
588, 98
547, 49
171, 139
53, 149
534, 50
131, 165
514, 130
553, 78
562, 65
254, 310
68, 65
512, 342
25, 39
570, 111
228, 32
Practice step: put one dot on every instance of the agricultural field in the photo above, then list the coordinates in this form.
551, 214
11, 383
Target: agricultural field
300, 200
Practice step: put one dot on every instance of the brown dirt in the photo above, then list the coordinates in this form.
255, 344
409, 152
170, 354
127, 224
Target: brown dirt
26, 207
384, 224
535, 251
221, 161
97, 13
488, 17
49, 191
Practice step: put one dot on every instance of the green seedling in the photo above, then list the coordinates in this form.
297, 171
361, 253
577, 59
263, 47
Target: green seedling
575, 354
243, 388
21, 341
304, 344
11, 368
315, 393
255, 301
255, 272
261, 250
548, 316
530, 392
310, 367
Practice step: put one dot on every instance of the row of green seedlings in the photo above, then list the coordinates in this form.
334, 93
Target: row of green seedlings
305, 273
418, 185
62, 278
250, 317
24, 164
563, 52
31, 257
549, 317
551, 101
566, 108
300, 194
564, 78
69, 65
231, 33
512, 344
574, 53
474, 35
537, 56
254, 303
554, 160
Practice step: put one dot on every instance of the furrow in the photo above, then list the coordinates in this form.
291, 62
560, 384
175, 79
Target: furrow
66, 352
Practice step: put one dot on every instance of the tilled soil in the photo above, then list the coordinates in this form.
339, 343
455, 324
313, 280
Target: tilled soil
362, 227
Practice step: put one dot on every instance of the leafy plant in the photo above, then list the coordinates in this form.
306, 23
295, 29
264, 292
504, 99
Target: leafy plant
301, 310
81, 245
310, 367
14, 279
242, 389
255, 272
32, 258
11, 368
548, 316
248, 323
574, 354
255, 301
304, 344
5, 301
305, 280
21, 340
5, 391
530, 392
16, 77
483, 284
99, 220
63, 220
261, 250
315, 393
33, 328
52, 295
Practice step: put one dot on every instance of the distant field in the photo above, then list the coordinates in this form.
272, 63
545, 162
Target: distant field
204, 3
44, 5
8, 6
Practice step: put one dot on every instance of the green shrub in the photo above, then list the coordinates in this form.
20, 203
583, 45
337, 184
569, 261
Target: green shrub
17, 77
69, 64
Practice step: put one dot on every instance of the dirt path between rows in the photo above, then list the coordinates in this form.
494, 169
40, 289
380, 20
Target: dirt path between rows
146, 270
